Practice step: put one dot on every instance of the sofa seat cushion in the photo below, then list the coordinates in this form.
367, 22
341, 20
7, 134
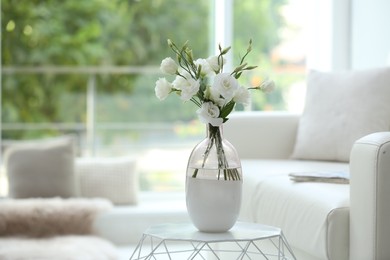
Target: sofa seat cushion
313, 216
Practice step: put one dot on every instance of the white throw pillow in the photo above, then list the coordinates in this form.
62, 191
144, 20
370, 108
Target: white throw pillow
111, 178
43, 168
339, 109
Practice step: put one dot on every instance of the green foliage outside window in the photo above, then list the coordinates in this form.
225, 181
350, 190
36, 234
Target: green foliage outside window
78, 33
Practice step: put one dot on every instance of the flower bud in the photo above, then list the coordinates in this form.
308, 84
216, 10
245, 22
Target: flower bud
250, 46
250, 67
267, 86
226, 50
239, 68
170, 44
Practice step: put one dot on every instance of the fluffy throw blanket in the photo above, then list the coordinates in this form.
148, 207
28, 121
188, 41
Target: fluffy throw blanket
59, 248
49, 217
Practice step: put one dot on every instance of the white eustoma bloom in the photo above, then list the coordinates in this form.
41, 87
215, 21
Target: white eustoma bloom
267, 86
226, 85
205, 67
169, 66
163, 88
214, 63
216, 97
179, 82
242, 96
208, 113
188, 87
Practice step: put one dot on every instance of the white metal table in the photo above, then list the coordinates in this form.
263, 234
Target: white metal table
184, 241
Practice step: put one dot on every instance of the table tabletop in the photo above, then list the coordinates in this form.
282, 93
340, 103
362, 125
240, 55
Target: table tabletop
186, 231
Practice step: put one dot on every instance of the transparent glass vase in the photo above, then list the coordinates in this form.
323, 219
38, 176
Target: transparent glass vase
214, 183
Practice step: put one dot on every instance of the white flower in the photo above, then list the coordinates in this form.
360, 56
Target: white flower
205, 67
242, 96
267, 86
190, 90
188, 87
214, 63
169, 66
179, 82
163, 88
226, 85
215, 96
208, 113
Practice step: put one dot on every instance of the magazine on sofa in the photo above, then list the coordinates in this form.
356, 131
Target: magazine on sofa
341, 177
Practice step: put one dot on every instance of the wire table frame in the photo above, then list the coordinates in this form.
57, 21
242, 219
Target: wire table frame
183, 241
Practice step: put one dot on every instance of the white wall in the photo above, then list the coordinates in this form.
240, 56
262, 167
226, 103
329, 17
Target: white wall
370, 45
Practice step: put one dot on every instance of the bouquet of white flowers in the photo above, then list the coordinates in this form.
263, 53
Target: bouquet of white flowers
203, 82
215, 99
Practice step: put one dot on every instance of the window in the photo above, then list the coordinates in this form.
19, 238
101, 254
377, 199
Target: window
88, 68
277, 30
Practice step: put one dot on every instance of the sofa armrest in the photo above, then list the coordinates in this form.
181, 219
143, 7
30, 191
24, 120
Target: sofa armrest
369, 197
262, 135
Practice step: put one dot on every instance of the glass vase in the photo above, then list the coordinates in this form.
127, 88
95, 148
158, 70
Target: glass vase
214, 183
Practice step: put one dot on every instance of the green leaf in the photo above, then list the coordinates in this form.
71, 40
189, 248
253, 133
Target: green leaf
225, 111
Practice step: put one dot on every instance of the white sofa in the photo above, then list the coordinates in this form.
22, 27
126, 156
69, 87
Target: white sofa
320, 220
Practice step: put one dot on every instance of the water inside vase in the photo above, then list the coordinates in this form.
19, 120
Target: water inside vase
228, 174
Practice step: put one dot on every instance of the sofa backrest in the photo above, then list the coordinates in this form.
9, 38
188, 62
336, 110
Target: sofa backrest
262, 135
